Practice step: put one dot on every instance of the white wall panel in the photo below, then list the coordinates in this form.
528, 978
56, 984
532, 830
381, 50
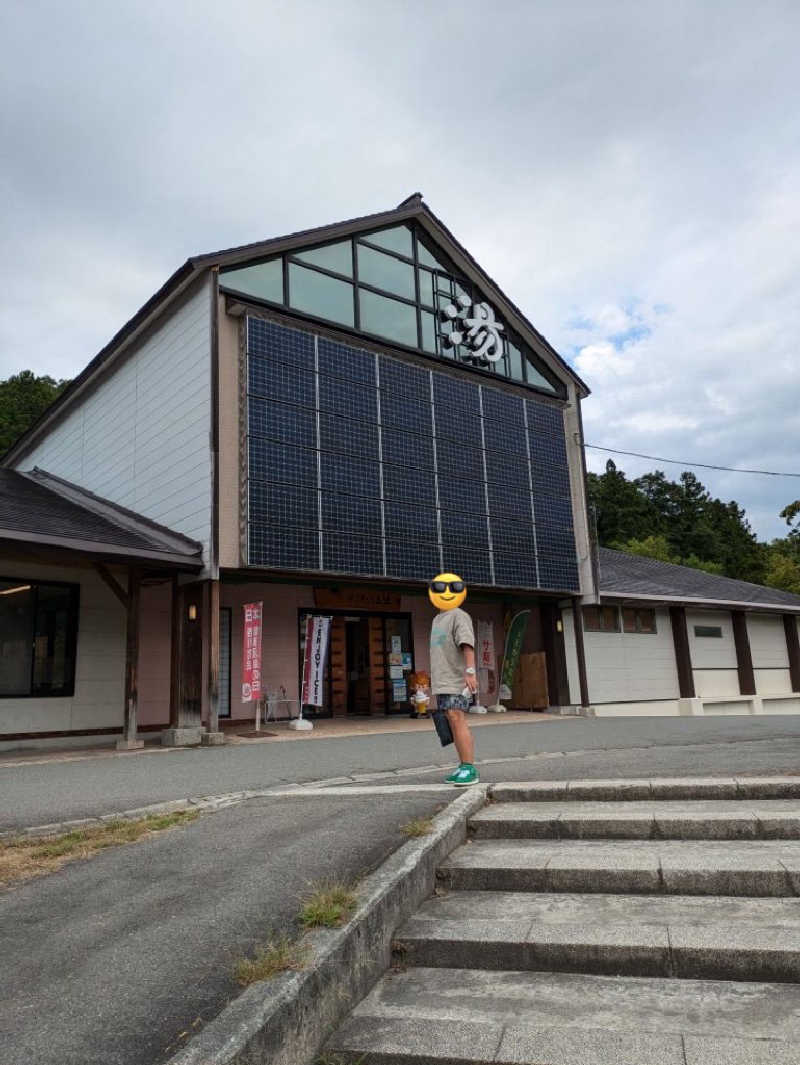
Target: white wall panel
624, 667
767, 641
711, 652
142, 437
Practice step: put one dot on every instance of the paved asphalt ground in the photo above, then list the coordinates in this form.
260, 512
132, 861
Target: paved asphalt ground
107, 961
34, 794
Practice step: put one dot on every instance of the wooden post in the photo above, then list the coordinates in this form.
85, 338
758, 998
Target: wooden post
683, 657
793, 647
175, 654
577, 621
213, 735
744, 659
130, 741
553, 640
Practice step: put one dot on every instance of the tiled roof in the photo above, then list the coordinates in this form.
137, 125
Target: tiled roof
39, 508
641, 578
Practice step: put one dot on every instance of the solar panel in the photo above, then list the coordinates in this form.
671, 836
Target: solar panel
348, 437
318, 404
278, 343
273, 461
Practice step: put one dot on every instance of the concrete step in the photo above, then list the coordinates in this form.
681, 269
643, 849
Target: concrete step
655, 788
724, 819
468, 1017
745, 867
633, 935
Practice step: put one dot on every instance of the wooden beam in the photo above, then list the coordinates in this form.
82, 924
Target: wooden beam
175, 654
683, 656
212, 636
553, 641
577, 620
793, 647
108, 578
744, 659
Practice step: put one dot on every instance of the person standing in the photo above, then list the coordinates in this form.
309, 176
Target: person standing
453, 677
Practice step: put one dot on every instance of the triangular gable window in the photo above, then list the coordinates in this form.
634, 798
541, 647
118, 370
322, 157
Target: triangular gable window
389, 285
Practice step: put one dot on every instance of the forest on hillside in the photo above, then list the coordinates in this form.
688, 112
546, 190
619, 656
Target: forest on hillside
679, 521
675, 521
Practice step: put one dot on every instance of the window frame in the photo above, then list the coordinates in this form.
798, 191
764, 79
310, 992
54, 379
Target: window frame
600, 608
71, 651
637, 630
708, 632
460, 355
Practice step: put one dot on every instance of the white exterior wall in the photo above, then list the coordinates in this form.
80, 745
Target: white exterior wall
141, 438
713, 659
632, 666
99, 664
770, 654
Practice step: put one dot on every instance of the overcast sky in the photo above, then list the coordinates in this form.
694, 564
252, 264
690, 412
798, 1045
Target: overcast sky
628, 172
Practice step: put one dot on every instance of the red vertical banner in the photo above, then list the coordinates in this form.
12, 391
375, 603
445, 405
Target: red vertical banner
251, 652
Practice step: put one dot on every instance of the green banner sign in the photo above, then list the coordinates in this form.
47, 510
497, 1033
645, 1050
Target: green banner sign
514, 638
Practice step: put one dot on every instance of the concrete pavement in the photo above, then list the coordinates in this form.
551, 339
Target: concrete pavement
32, 794
109, 960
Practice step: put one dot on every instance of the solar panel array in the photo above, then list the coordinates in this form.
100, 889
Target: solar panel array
362, 464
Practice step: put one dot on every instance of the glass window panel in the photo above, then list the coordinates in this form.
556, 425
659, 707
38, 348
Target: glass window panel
384, 272
52, 654
397, 239
336, 257
265, 281
318, 294
388, 318
426, 287
426, 259
444, 285
516, 370
16, 627
534, 377
428, 332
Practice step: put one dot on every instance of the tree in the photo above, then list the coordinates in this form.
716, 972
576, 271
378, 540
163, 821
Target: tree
23, 398
621, 511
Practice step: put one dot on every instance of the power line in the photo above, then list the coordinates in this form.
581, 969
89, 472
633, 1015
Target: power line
680, 462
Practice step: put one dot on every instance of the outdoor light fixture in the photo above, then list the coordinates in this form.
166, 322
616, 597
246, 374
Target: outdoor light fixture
559, 625
19, 588
192, 612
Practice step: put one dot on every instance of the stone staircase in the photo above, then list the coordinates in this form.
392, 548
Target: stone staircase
602, 923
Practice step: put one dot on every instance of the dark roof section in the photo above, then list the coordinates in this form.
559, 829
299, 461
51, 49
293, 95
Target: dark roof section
412, 207
41, 509
635, 577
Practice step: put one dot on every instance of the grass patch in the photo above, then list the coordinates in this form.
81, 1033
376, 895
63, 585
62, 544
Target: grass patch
417, 826
21, 859
276, 956
328, 906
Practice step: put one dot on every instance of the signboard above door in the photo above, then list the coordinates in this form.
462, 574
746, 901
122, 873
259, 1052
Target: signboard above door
379, 599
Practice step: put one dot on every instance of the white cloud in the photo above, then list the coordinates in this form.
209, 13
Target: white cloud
630, 176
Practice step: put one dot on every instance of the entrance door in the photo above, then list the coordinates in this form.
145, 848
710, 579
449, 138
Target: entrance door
399, 663
357, 645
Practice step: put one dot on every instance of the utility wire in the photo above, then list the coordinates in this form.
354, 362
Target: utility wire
679, 462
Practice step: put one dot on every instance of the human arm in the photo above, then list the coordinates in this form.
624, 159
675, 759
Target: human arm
470, 679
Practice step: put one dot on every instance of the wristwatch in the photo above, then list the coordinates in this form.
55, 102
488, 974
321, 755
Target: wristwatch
470, 670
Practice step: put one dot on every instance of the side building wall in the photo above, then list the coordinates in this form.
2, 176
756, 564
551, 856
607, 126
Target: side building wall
98, 700
141, 437
635, 674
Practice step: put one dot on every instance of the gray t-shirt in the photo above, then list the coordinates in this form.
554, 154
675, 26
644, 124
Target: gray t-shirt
450, 629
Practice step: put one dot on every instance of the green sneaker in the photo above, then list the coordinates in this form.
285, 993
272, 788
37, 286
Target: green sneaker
450, 779
466, 775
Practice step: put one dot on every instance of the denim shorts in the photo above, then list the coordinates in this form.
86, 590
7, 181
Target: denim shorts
452, 702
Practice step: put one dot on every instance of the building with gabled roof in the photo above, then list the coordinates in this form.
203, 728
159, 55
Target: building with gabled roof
317, 423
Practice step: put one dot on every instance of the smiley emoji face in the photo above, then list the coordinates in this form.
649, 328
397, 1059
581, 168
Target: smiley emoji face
447, 591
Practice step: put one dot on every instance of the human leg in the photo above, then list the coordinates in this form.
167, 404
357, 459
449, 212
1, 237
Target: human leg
462, 736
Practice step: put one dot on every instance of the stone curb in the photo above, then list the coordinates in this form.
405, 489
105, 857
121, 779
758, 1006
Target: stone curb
207, 804
286, 1021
